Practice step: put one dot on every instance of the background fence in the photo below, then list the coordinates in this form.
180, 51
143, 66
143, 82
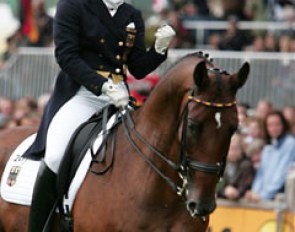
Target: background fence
33, 70
272, 75
203, 27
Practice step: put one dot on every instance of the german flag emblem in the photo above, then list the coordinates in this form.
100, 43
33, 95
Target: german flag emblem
14, 171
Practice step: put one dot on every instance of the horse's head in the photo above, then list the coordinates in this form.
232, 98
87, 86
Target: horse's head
208, 122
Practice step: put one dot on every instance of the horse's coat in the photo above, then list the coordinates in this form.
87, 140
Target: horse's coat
178, 116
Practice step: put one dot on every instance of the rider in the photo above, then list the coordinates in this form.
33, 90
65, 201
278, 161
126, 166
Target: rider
95, 42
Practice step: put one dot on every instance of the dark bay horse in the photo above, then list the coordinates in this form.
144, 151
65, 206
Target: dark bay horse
169, 156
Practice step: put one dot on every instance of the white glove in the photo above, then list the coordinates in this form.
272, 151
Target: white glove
164, 35
117, 92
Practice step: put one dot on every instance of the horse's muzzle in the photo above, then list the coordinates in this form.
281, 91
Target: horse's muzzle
200, 209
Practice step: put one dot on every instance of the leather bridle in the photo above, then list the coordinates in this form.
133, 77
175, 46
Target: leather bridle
184, 165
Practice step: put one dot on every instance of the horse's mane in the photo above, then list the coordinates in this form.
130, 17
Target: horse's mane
205, 57
199, 54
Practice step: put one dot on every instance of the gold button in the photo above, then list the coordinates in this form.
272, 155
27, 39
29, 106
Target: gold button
124, 68
118, 57
102, 40
118, 70
121, 44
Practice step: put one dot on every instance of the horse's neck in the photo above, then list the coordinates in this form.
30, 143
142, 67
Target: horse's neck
157, 121
160, 115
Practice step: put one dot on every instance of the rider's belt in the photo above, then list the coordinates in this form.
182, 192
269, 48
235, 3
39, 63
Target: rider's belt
115, 77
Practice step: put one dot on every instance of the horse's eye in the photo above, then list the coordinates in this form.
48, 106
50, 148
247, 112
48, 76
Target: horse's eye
194, 128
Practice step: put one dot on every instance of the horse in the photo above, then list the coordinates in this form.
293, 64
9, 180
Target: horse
168, 157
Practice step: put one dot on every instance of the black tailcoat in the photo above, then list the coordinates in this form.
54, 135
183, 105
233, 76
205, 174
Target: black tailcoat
87, 38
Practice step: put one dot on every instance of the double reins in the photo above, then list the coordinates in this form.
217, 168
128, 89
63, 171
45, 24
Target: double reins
184, 164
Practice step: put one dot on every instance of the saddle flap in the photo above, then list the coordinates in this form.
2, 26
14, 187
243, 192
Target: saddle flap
81, 141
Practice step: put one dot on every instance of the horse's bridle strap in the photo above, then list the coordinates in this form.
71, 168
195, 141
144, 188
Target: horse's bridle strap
208, 168
212, 104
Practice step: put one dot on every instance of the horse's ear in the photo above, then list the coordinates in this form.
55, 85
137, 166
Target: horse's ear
243, 74
200, 74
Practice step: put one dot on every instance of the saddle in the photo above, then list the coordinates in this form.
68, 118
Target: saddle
80, 142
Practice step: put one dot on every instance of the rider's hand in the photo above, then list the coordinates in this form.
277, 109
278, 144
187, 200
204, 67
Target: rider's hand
117, 92
163, 35
231, 192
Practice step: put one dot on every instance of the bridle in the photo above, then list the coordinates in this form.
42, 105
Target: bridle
187, 164
184, 165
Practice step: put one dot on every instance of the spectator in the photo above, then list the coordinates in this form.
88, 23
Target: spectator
284, 43
202, 7
11, 123
255, 10
189, 12
263, 108
6, 111
3, 121
44, 25
12, 44
254, 151
233, 39
23, 112
25, 107
182, 39
6, 107
234, 8
292, 44
277, 156
41, 103
239, 172
257, 45
270, 43
289, 114
242, 109
177, 4
214, 41
255, 131
281, 10
10, 50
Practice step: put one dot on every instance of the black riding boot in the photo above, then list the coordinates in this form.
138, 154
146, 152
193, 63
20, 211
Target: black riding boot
44, 196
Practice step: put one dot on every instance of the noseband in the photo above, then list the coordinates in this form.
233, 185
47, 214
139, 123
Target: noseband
184, 165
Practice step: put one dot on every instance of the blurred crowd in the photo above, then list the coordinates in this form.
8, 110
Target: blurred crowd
175, 12
232, 11
23, 112
261, 153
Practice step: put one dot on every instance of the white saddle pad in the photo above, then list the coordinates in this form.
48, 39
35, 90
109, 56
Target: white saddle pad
20, 174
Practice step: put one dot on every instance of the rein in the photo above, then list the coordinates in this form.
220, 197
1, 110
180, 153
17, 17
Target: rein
184, 165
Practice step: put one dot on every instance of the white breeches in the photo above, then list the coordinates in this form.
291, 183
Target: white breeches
68, 118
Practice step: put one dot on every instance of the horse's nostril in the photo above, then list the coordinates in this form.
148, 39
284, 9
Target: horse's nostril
191, 206
196, 209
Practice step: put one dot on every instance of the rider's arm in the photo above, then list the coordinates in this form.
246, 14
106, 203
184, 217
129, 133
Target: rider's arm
66, 29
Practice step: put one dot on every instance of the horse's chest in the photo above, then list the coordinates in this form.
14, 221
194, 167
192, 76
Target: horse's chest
156, 223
